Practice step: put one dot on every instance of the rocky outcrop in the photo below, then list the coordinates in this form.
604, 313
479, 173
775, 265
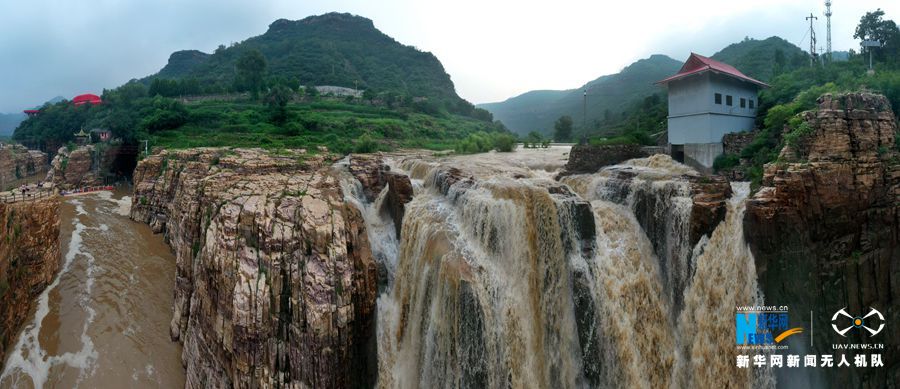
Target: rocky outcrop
76, 168
375, 175
825, 226
18, 162
709, 195
29, 259
584, 159
734, 142
275, 283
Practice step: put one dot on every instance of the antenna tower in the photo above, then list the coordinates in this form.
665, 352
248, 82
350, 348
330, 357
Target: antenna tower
812, 40
828, 28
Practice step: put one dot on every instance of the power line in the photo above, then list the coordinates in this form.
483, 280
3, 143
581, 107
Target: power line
812, 40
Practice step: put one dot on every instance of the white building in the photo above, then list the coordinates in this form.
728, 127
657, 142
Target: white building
708, 99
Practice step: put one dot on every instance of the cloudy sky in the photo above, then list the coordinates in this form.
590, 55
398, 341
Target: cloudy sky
493, 49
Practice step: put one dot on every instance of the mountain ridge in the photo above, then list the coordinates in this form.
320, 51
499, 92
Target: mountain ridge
337, 49
616, 93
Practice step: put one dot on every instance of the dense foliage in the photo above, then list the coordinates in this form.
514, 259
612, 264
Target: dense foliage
794, 92
282, 119
482, 142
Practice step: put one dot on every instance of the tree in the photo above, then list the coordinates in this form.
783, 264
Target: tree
276, 100
562, 129
534, 138
368, 95
779, 62
873, 26
251, 67
311, 91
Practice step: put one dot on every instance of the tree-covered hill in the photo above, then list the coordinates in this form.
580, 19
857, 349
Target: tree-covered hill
763, 59
607, 97
614, 98
332, 49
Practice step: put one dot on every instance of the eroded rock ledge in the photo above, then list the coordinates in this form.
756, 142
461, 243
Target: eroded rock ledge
29, 259
825, 227
17, 162
275, 278
75, 168
586, 159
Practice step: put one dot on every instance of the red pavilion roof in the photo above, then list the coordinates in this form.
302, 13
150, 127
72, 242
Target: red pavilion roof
697, 64
32, 111
86, 98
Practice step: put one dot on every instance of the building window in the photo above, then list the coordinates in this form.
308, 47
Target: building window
728, 101
752, 104
743, 102
719, 98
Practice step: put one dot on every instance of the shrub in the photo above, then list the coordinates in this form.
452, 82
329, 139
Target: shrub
365, 144
505, 143
726, 161
800, 132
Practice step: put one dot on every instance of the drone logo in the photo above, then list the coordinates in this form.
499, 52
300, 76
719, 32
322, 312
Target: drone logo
857, 322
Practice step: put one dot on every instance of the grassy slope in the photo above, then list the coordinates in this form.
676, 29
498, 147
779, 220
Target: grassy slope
335, 124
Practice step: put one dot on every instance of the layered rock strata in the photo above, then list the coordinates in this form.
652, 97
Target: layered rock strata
586, 159
375, 175
75, 169
18, 162
825, 228
29, 259
275, 282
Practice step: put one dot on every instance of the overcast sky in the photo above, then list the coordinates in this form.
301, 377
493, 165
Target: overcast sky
492, 49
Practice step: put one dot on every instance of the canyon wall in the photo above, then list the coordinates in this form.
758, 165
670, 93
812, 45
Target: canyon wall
72, 169
17, 162
276, 282
824, 228
29, 259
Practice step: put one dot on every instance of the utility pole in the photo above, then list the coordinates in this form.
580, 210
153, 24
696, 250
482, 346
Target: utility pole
828, 29
812, 40
584, 113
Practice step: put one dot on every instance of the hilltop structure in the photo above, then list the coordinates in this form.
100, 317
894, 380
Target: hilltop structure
708, 99
87, 98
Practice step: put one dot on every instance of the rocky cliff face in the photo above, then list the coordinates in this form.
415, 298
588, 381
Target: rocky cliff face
276, 283
374, 175
74, 169
29, 259
585, 159
17, 162
825, 227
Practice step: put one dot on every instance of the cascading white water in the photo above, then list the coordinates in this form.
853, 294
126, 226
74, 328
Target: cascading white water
656, 192
503, 282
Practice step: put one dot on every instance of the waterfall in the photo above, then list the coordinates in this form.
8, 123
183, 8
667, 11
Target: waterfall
532, 283
657, 193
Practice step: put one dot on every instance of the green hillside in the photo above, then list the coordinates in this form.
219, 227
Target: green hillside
763, 59
537, 110
332, 49
612, 99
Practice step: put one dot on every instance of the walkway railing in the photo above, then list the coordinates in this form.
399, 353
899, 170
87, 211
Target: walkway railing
27, 196
87, 189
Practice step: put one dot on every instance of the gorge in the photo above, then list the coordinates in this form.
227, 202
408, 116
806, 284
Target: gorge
410, 269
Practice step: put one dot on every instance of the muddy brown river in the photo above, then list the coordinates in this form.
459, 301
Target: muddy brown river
104, 321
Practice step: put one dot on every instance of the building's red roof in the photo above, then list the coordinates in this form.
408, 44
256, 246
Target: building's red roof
31, 111
697, 64
86, 98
